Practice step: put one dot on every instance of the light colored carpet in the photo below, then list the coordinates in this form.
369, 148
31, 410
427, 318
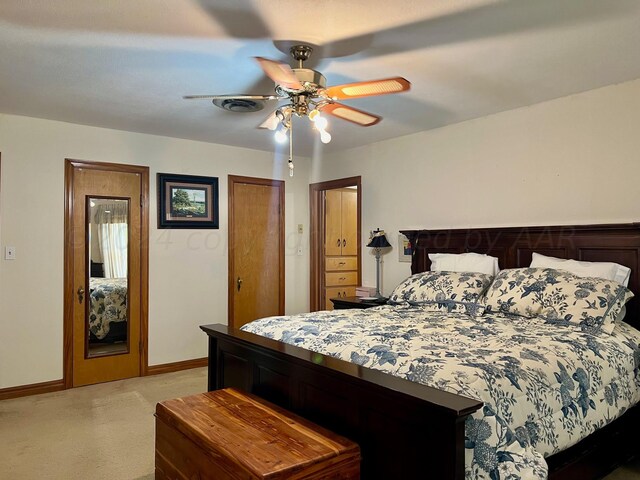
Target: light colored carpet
97, 432
104, 431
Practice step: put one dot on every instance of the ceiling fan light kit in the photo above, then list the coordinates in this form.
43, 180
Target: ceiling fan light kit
308, 96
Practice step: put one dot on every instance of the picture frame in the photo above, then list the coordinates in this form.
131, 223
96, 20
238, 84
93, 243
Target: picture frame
187, 201
405, 250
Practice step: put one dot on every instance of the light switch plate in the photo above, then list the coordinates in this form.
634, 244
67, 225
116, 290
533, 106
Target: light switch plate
9, 253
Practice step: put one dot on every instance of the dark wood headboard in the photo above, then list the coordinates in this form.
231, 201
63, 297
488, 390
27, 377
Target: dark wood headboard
619, 243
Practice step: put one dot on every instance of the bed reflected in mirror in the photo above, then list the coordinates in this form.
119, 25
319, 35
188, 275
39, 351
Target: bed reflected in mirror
107, 266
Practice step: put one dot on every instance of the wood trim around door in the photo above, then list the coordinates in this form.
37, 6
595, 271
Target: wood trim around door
68, 261
316, 214
233, 179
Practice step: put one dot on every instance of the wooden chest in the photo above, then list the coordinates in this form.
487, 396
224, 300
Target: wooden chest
228, 434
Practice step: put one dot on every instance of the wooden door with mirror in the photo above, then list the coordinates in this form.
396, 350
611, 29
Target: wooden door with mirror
105, 272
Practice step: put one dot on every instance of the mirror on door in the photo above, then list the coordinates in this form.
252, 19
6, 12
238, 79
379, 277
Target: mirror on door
107, 311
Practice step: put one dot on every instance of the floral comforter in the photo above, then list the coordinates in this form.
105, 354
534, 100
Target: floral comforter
107, 304
544, 386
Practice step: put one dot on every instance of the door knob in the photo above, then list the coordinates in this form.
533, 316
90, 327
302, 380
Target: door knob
344, 242
338, 243
80, 294
239, 283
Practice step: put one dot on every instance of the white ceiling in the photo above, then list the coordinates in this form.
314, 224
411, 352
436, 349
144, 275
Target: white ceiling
125, 64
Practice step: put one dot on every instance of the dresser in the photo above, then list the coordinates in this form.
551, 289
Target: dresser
340, 245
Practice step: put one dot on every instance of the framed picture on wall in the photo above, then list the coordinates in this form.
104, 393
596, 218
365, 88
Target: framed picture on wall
404, 249
187, 201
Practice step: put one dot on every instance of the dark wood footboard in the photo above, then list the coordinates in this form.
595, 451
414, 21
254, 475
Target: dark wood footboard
405, 430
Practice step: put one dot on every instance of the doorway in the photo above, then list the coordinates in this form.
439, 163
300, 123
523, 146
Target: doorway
336, 258
106, 272
256, 249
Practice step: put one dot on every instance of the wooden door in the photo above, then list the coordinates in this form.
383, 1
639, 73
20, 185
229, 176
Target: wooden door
256, 249
349, 222
112, 301
324, 234
333, 223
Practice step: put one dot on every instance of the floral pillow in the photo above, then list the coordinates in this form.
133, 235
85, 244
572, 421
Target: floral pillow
444, 291
558, 297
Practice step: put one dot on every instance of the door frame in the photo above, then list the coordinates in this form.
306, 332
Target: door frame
67, 335
317, 223
280, 184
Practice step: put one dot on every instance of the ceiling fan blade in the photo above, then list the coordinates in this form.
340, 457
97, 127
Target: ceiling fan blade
353, 115
280, 73
229, 97
486, 20
369, 88
236, 20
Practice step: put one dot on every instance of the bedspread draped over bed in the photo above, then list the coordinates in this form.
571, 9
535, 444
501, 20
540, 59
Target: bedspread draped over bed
108, 303
544, 387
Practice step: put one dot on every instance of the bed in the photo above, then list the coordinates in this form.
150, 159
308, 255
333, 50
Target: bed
107, 309
409, 430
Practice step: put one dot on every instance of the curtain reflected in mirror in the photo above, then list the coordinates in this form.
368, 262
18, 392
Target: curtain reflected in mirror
107, 312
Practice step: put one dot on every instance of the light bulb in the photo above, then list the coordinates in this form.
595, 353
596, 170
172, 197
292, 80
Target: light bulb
325, 137
321, 122
274, 120
290, 168
313, 114
273, 123
280, 135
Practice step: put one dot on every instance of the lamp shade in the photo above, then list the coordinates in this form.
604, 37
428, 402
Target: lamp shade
378, 240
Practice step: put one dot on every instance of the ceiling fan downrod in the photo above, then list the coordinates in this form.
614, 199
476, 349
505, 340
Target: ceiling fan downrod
301, 54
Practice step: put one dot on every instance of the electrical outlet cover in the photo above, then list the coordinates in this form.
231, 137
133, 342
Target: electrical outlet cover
9, 253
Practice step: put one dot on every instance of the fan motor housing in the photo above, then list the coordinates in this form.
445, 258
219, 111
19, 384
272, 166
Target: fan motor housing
311, 76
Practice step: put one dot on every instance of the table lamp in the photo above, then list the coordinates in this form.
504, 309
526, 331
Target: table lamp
378, 242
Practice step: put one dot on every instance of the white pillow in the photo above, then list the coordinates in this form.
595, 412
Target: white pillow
464, 262
607, 270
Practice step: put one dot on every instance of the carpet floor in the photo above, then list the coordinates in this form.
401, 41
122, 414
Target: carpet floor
104, 431
97, 432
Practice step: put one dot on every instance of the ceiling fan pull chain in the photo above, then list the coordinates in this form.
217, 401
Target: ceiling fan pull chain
291, 147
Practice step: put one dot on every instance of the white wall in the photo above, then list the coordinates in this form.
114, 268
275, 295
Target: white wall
568, 161
187, 268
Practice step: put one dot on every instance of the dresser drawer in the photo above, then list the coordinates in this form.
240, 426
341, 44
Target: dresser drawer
337, 279
337, 292
341, 263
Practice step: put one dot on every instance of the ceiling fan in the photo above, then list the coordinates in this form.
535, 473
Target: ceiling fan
308, 95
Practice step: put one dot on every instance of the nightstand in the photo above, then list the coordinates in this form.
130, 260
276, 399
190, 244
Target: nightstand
355, 302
